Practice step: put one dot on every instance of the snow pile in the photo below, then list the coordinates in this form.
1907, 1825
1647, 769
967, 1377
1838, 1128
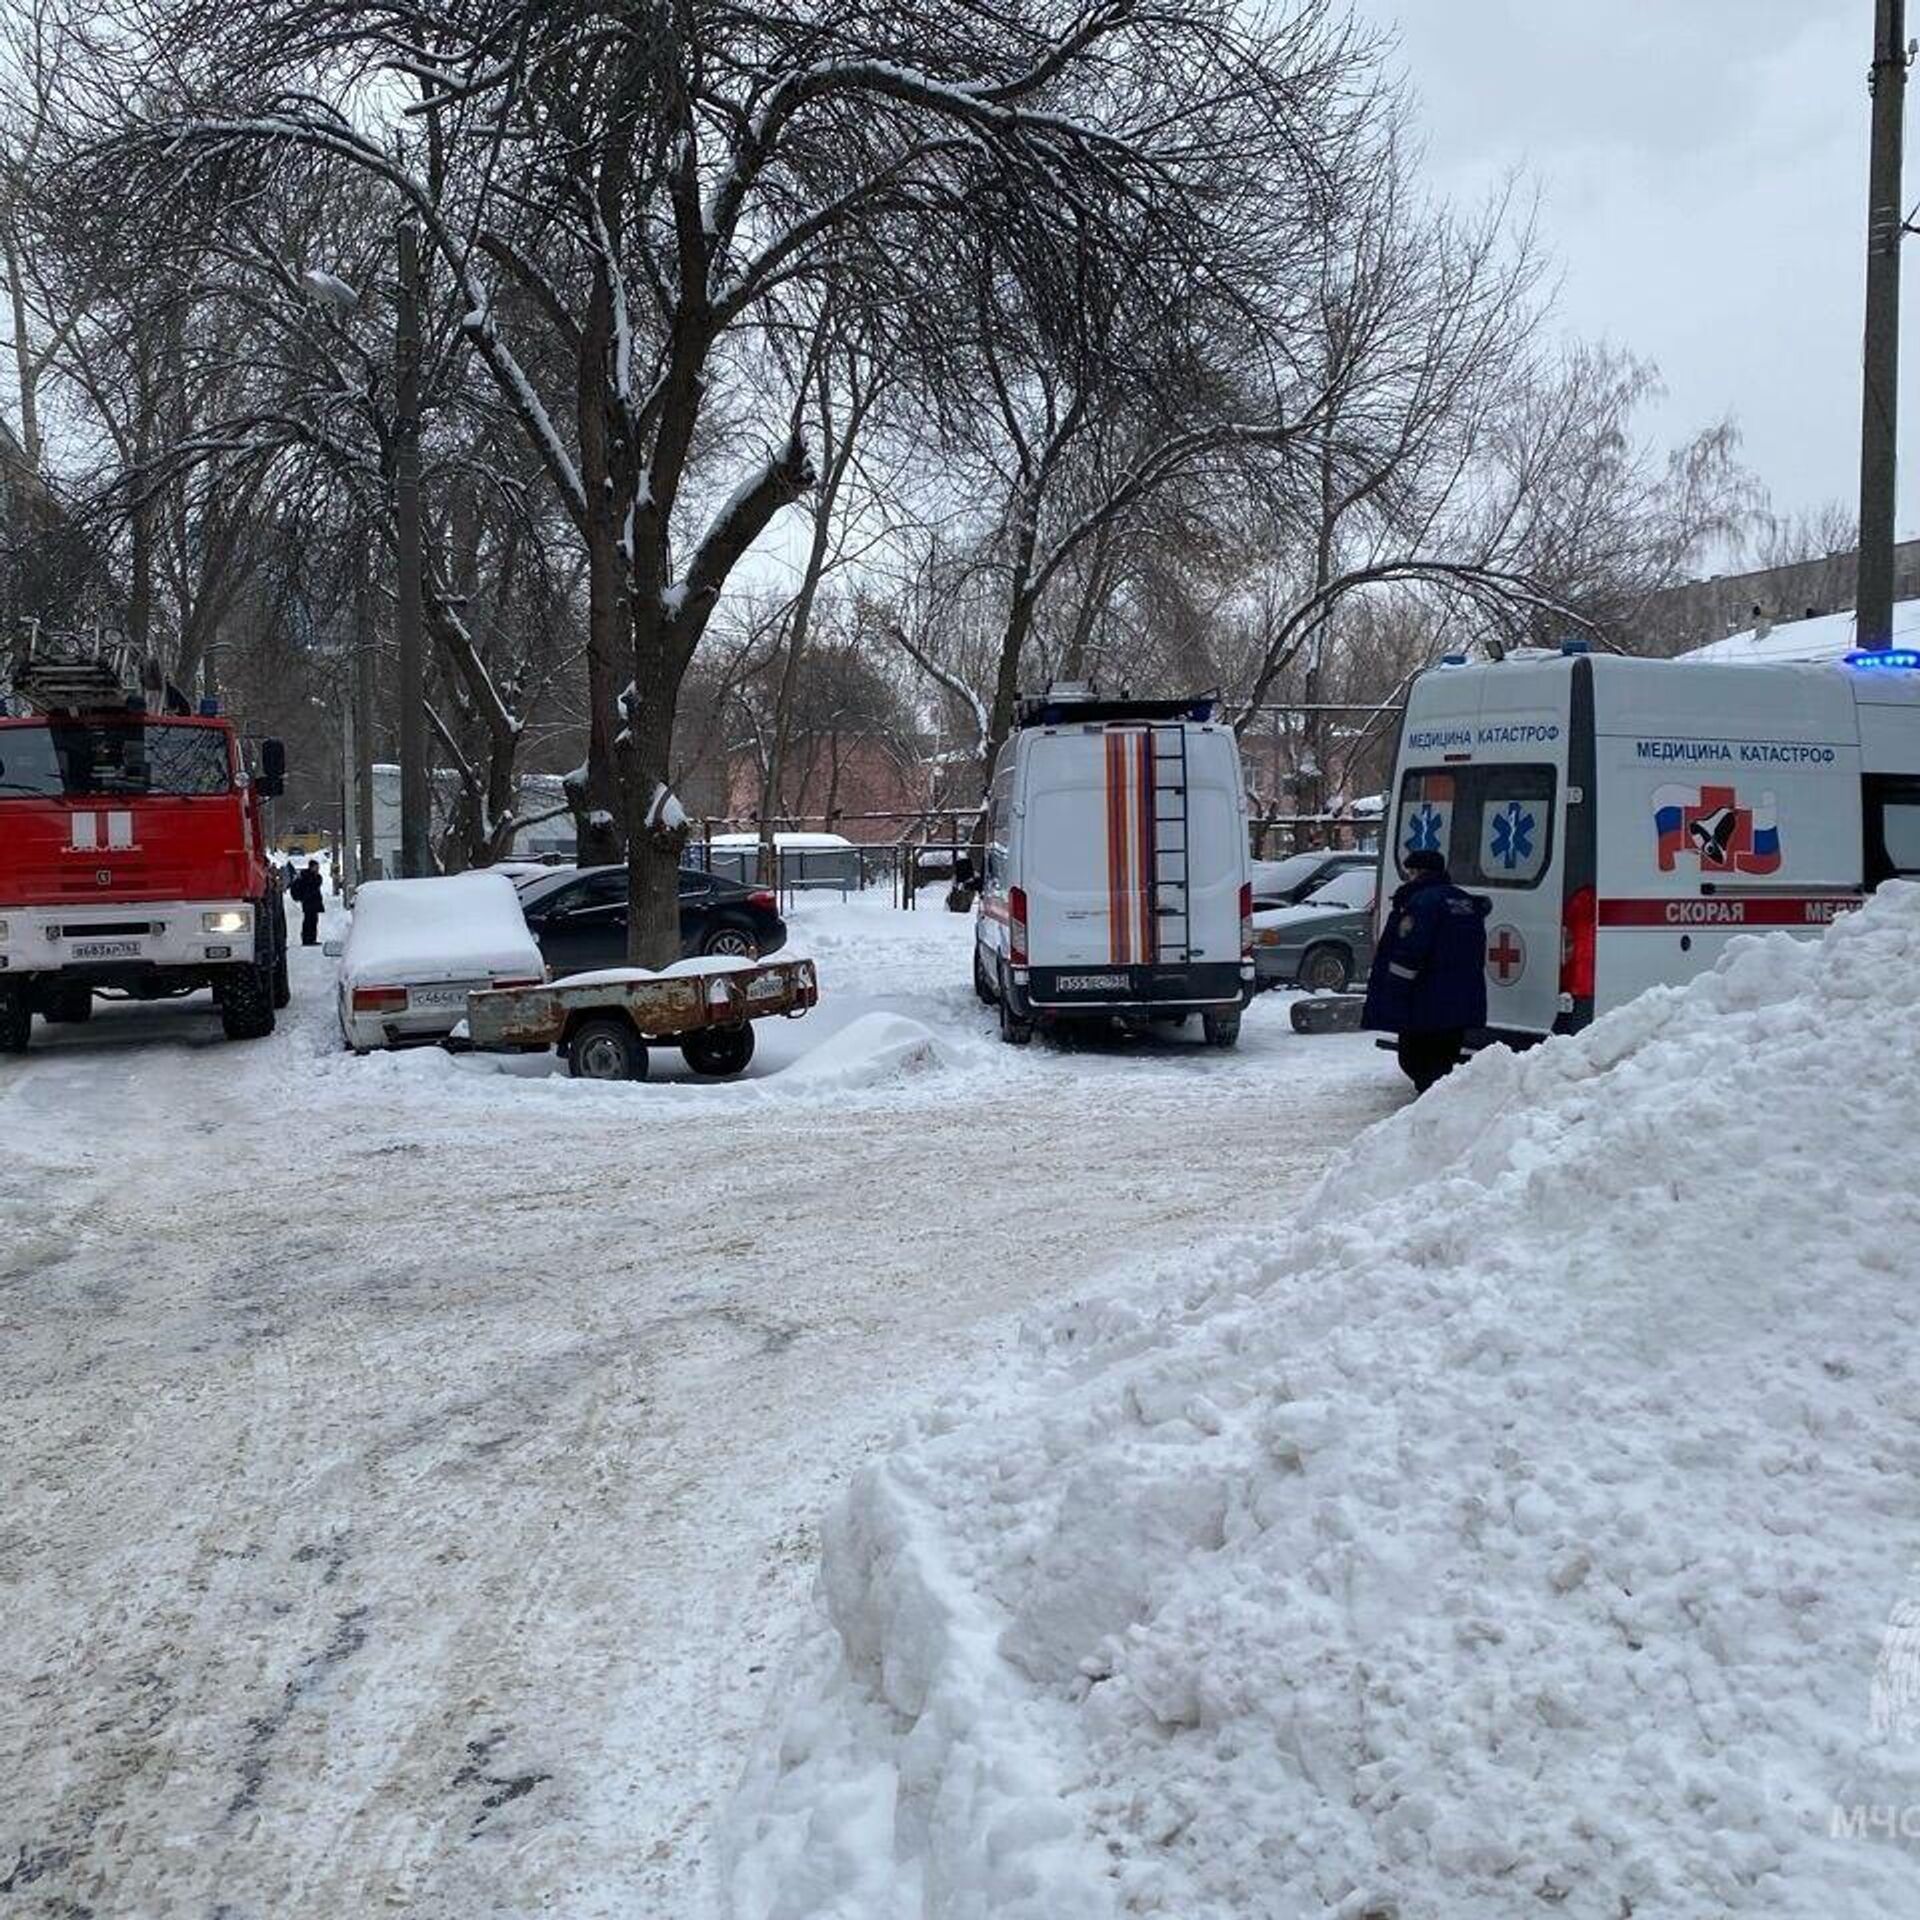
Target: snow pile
867, 1052
457, 927
1520, 1535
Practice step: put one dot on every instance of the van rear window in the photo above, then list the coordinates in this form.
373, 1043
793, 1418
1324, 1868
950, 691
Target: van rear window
1493, 824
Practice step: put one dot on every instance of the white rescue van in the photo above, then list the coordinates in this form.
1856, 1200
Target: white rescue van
1118, 883
1629, 817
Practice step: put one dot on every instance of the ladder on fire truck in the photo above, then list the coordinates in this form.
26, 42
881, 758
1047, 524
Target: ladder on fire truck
72, 673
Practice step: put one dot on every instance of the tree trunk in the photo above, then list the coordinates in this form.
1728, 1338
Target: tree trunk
1006, 690
26, 373
654, 845
596, 802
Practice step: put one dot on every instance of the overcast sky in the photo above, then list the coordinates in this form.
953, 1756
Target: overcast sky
1703, 171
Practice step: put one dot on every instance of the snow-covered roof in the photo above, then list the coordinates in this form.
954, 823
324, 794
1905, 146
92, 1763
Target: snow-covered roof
1827, 636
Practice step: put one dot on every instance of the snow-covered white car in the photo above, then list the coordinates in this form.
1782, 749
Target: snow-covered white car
417, 948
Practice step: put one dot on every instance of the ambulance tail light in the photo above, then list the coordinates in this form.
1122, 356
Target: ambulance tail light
1578, 933
1017, 926
1246, 920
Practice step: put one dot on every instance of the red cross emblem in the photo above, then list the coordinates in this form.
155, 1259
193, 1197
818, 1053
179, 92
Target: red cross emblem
1506, 956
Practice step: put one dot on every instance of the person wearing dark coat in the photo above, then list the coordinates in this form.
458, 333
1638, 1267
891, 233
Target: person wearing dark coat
1428, 985
308, 889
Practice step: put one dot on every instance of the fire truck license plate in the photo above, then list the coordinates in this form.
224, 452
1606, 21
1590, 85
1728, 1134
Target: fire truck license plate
1093, 983
105, 950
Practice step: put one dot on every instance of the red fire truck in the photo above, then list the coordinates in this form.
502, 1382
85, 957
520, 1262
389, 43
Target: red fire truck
132, 855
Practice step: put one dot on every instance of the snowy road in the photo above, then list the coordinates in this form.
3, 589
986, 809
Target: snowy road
412, 1468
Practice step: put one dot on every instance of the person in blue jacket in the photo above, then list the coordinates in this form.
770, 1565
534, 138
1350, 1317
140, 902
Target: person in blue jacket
1428, 985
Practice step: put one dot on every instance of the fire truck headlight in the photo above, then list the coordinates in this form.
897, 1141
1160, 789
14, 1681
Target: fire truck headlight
3, 929
225, 920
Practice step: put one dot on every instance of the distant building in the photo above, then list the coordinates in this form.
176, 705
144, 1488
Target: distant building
1679, 619
539, 793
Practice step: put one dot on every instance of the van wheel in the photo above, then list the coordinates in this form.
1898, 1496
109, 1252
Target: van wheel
16, 1022
983, 982
606, 1050
1326, 968
1015, 1031
1221, 1029
719, 1051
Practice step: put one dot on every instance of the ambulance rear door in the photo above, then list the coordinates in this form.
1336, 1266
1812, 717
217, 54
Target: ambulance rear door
1483, 780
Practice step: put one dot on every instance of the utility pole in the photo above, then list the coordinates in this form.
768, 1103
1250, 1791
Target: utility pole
415, 788
365, 864
1880, 360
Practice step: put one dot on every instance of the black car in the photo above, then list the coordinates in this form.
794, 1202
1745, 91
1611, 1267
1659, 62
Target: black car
578, 917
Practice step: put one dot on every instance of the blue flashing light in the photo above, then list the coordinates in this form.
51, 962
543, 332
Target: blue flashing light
1575, 644
209, 708
1875, 658
1453, 659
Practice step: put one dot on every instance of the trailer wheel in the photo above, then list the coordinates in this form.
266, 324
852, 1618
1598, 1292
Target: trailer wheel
246, 1003
606, 1049
1221, 1029
719, 1052
1326, 968
68, 1006
16, 1022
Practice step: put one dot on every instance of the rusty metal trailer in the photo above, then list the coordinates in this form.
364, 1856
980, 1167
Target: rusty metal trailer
605, 1024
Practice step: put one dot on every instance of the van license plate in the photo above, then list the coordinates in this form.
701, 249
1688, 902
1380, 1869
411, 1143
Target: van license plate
1092, 983
106, 950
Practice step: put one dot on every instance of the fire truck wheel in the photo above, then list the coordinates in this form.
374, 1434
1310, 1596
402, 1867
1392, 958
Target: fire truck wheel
282, 986
246, 1003
719, 1051
68, 1006
606, 1050
1221, 1029
16, 1023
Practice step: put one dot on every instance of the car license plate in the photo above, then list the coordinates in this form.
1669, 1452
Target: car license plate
105, 950
1093, 983
442, 999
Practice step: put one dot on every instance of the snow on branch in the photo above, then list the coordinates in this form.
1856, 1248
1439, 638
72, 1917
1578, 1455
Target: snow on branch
313, 124
665, 814
1490, 587
982, 719
786, 474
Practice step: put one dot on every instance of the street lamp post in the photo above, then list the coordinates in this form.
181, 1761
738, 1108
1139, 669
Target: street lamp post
1880, 359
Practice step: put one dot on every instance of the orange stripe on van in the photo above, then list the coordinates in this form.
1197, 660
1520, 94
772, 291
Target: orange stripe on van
1118, 946
1148, 851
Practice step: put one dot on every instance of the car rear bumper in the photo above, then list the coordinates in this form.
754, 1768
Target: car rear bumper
1136, 990
1276, 966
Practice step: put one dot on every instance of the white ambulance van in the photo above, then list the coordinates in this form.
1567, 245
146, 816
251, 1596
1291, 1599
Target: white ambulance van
1117, 883
1629, 817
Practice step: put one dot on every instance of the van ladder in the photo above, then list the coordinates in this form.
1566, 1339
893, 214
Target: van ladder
1172, 932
